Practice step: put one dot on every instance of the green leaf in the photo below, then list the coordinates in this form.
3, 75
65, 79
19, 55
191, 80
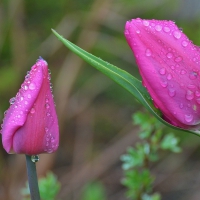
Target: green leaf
123, 78
170, 142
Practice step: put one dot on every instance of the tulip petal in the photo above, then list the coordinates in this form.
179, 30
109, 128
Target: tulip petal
169, 66
30, 125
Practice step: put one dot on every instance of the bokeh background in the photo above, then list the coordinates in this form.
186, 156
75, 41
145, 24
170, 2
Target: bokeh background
94, 113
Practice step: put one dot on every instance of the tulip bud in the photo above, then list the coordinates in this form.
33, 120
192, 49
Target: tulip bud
169, 64
30, 125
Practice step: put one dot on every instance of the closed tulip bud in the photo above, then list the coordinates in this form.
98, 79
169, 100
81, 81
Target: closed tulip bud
30, 125
169, 64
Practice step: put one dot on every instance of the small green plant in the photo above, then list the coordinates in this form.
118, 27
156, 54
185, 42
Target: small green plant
93, 191
48, 187
136, 162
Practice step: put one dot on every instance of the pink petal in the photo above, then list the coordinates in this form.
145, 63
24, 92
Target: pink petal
30, 125
169, 64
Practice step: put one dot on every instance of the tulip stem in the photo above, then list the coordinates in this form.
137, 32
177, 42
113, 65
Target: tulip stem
32, 179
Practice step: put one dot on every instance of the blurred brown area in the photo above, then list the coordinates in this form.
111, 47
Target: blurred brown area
94, 113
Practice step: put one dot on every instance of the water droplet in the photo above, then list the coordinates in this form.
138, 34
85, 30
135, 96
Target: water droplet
188, 117
166, 29
34, 68
35, 158
25, 102
198, 100
183, 72
21, 98
47, 105
46, 129
181, 105
158, 27
12, 100
145, 23
193, 75
178, 59
50, 150
191, 86
48, 114
172, 67
25, 87
148, 52
32, 110
189, 95
184, 43
169, 77
164, 84
177, 34
47, 100
162, 71
169, 55
197, 93
137, 31
172, 92
32, 86
29, 96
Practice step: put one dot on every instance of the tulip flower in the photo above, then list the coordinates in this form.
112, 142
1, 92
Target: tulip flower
30, 125
169, 64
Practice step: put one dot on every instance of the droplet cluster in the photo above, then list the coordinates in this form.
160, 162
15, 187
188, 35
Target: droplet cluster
177, 62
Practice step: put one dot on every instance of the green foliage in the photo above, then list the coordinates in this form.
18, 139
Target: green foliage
136, 162
48, 187
142, 182
94, 191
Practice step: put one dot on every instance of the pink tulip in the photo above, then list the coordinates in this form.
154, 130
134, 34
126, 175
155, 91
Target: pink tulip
30, 125
169, 64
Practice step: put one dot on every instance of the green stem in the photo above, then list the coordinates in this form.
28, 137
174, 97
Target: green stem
32, 178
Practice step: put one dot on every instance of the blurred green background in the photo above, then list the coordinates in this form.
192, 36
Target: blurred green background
94, 113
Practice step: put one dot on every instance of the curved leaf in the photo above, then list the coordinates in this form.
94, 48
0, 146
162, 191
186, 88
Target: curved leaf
123, 78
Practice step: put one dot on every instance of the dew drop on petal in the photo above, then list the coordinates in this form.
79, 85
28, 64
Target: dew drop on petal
177, 34
193, 75
183, 72
48, 114
32, 110
158, 27
169, 77
47, 105
137, 31
166, 29
188, 117
164, 84
32, 86
148, 52
12, 100
181, 105
172, 67
184, 43
198, 100
189, 95
169, 55
178, 59
162, 71
197, 93
145, 23
172, 92
29, 96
